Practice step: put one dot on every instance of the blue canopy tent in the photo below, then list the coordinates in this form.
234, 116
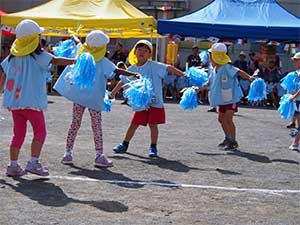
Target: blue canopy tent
257, 19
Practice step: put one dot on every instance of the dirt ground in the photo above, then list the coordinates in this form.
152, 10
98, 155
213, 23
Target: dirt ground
192, 181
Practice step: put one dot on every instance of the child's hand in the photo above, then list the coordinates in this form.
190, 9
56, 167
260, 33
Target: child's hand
137, 75
111, 96
294, 96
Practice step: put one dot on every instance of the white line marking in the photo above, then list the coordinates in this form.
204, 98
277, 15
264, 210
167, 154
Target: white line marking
255, 190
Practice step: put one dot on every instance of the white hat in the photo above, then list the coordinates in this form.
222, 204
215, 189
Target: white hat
145, 42
97, 38
296, 56
27, 27
218, 47
243, 53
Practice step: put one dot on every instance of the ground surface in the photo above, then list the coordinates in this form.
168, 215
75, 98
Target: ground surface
192, 182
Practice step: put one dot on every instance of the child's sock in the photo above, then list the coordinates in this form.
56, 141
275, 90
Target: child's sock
153, 145
13, 163
34, 159
125, 143
68, 152
231, 138
99, 153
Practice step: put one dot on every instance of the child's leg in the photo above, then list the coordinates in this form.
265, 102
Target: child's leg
19, 132
154, 133
37, 120
96, 122
226, 120
78, 111
130, 132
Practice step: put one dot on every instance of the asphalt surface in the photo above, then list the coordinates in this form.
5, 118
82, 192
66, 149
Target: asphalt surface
192, 181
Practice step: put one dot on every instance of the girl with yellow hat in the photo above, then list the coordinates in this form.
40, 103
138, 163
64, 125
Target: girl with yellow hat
25, 94
88, 92
225, 92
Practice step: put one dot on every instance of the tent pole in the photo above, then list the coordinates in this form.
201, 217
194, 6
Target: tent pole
156, 53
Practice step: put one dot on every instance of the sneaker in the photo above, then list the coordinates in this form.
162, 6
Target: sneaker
231, 146
102, 161
292, 125
293, 132
214, 109
152, 152
67, 159
223, 144
120, 148
15, 171
37, 168
294, 147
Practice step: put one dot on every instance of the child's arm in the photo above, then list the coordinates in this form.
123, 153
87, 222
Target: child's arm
204, 87
2, 82
62, 61
245, 75
116, 89
126, 73
174, 70
294, 96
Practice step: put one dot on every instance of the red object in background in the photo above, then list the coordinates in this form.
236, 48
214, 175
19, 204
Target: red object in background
5, 33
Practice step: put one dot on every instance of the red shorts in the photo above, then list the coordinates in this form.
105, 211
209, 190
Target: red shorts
224, 108
150, 116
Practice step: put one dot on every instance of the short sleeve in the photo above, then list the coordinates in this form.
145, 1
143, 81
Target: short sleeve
232, 70
108, 68
4, 65
44, 59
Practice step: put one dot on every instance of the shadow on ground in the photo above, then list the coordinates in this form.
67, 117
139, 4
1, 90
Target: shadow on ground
49, 194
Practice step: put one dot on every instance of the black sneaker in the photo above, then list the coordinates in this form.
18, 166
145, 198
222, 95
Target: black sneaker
231, 146
224, 143
214, 109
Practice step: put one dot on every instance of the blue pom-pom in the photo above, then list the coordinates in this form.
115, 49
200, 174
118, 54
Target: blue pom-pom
83, 72
67, 49
189, 99
287, 107
204, 56
196, 77
107, 102
257, 90
139, 93
289, 82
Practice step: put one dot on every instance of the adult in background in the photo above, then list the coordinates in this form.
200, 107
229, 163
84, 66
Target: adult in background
194, 58
118, 55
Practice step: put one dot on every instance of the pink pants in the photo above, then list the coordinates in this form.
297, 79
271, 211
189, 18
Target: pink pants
37, 121
96, 122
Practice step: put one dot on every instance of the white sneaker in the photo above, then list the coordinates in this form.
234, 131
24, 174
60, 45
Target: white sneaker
294, 147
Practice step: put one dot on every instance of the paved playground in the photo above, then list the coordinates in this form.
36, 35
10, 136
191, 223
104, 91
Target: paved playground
192, 182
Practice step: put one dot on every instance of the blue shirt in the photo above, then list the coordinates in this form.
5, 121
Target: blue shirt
25, 85
224, 86
92, 98
155, 72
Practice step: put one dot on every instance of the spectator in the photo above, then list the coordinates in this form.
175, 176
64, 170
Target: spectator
194, 58
251, 62
241, 63
118, 55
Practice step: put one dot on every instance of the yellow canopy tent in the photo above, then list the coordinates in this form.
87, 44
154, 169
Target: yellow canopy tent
117, 18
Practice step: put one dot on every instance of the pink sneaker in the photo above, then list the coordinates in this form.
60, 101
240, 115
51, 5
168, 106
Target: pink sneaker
15, 171
102, 161
37, 168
